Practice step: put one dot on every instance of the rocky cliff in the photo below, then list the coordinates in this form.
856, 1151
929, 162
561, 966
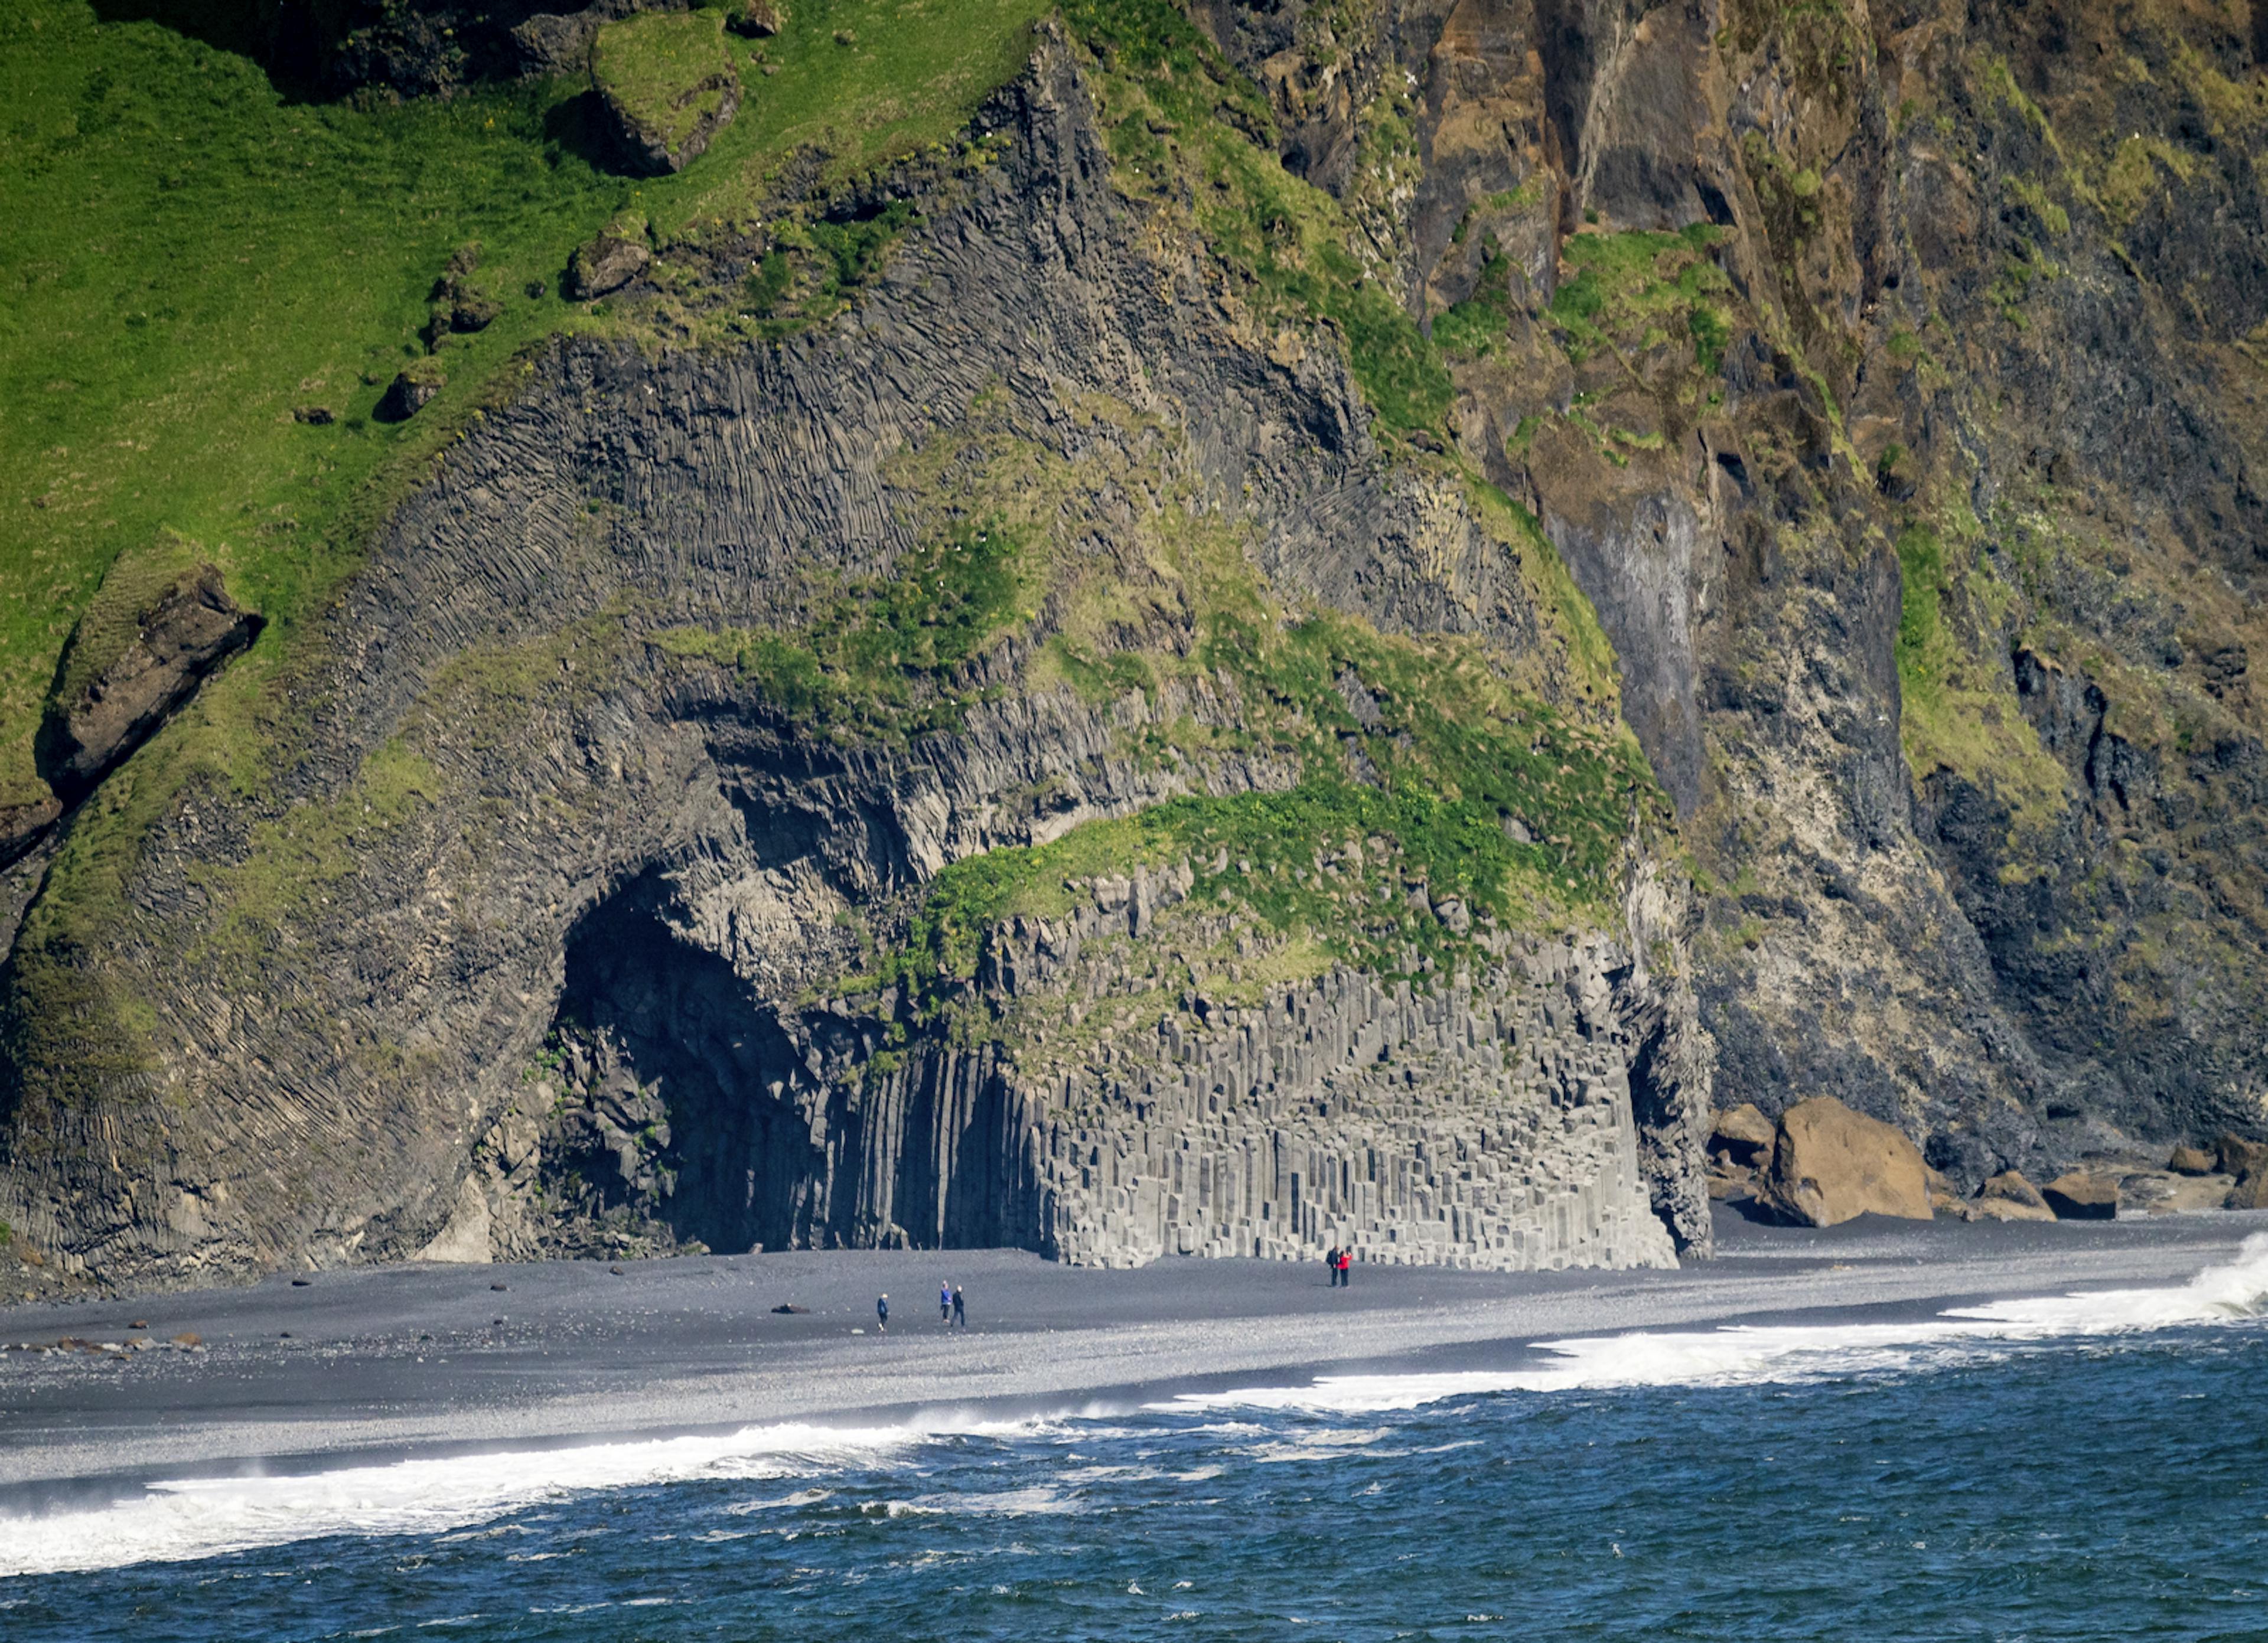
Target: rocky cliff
1049, 693
755, 722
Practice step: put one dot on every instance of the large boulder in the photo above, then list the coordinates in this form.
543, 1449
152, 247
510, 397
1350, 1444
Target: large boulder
2010, 1196
2190, 1160
2081, 1196
2251, 1192
1829, 1164
158, 627
1742, 1134
2239, 1157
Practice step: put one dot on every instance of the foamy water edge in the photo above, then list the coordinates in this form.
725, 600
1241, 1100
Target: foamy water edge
186, 1519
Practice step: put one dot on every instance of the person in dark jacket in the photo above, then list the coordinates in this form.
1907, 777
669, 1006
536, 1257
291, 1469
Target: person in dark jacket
882, 1316
1331, 1264
959, 1307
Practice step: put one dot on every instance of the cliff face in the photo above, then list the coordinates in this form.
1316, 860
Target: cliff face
1889, 378
693, 820
1089, 737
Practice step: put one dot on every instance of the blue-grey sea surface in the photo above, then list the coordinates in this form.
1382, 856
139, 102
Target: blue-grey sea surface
2094, 1469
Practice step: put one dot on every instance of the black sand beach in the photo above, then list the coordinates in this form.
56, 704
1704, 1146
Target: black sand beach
385, 1361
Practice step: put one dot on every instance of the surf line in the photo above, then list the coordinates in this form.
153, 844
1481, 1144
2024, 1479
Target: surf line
1748, 1355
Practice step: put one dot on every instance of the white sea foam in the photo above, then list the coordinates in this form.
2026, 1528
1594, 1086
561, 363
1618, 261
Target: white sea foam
1748, 1355
206, 1517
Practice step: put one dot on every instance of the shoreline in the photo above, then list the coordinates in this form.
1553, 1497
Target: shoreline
387, 1363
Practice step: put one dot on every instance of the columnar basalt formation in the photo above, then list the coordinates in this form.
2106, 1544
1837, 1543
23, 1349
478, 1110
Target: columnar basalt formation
1482, 1119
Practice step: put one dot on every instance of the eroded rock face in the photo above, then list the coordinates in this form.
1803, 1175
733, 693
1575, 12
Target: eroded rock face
168, 639
1489, 1124
1905, 625
1830, 1165
551, 804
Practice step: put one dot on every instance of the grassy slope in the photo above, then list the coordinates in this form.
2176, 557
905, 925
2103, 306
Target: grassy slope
188, 258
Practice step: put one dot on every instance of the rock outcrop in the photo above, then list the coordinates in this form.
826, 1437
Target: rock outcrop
665, 87
1830, 1165
142, 650
2081, 1196
704, 703
1885, 383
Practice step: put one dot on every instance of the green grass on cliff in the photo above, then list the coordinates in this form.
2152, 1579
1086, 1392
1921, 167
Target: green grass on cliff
1958, 711
1189, 136
1632, 291
877, 657
1428, 799
189, 259
647, 63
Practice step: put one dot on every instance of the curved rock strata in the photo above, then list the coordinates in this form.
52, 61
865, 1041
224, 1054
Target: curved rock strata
564, 769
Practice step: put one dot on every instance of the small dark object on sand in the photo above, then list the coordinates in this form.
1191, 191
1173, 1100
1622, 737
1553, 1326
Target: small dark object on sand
786, 1307
301, 1283
138, 1324
286, 1336
499, 1287
498, 1322
616, 1271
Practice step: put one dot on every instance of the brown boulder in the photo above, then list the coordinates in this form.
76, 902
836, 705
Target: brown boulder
2007, 1196
2080, 1196
1742, 1134
2190, 1160
1830, 1164
2251, 1192
2240, 1157
605, 264
2011, 1186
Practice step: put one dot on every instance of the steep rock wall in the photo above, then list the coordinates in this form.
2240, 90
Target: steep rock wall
1889, 377
546, 730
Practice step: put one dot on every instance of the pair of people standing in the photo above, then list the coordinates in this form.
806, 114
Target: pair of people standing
951, 1305
1340, 1263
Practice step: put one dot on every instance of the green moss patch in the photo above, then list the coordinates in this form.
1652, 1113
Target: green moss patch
666, 73
1958, 711
880, 657
1629, 290
1422, 800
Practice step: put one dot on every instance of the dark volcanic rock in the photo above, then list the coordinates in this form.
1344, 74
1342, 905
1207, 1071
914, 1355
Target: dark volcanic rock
661, 875
413, 389
603, 265
134, 659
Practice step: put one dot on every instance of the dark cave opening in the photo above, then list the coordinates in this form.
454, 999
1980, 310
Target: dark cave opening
687, 1113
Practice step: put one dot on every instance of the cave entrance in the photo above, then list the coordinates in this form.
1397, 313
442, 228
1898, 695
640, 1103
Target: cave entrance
681, 1105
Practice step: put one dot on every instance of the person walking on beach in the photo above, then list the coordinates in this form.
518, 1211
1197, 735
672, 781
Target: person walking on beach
1331, 1264
945, 1301
1346, 1269
882, 1316
959, 1308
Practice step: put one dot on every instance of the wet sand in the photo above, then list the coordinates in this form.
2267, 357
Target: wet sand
385, 1361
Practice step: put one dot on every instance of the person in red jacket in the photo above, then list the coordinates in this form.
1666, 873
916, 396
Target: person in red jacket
1346, 1269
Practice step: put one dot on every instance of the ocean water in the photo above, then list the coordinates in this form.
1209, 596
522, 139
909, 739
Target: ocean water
2093, 1467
